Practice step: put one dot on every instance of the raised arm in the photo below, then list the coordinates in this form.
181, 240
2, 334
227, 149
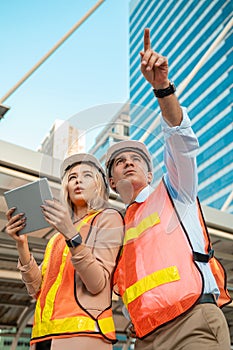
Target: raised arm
154, 67
181, 144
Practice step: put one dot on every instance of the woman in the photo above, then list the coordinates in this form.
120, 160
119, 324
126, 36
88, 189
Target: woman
73, 284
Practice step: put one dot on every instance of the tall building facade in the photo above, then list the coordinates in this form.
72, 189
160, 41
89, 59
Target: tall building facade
196, 36
117, 130
62, 140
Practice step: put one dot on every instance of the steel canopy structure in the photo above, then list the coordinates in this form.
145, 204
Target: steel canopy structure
19, 166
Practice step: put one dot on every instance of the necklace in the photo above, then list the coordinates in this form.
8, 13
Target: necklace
74, 222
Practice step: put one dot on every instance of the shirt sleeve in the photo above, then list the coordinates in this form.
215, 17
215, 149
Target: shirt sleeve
31, 276
96, 262
180, 151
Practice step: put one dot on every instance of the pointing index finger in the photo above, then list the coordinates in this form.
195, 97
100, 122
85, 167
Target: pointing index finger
146, 39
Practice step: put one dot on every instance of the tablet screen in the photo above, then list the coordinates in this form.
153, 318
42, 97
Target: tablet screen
28, 199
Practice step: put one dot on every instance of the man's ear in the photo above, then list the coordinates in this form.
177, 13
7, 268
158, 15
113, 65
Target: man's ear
149, 177
112, 183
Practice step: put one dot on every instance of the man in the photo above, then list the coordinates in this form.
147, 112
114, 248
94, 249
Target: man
167, 276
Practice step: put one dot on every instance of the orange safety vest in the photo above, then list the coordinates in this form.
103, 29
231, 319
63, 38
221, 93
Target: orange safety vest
58, 313
157, 276
216, 267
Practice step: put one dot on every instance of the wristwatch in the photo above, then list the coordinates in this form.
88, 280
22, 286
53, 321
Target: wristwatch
74, 241
165, 92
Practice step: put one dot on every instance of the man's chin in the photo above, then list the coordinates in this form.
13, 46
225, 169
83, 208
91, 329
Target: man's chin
126, 190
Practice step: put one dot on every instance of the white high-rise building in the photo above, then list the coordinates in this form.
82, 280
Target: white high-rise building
62, 140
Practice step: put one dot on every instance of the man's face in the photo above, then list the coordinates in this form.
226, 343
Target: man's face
129, 168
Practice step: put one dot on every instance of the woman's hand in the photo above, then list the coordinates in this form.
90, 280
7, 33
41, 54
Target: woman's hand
58, 216
15, 224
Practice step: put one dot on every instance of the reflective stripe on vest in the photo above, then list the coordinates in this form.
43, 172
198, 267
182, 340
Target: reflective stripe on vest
146, 223
157, 278
106, 325
69, 318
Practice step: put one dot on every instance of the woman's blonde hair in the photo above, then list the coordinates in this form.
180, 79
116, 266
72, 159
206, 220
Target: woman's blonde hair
100, 197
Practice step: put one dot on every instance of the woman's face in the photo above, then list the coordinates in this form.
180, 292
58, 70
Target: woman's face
82, 184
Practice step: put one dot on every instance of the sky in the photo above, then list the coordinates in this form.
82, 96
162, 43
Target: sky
91, 68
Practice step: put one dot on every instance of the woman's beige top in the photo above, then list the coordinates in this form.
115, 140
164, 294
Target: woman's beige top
94, 264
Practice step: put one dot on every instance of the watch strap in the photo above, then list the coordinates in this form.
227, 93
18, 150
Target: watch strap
160, 93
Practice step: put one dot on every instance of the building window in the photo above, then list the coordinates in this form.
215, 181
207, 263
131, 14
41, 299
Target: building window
126, 130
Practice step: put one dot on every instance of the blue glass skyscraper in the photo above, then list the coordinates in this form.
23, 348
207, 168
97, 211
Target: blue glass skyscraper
196, 36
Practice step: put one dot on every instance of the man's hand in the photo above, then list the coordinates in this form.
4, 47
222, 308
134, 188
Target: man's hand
154, 67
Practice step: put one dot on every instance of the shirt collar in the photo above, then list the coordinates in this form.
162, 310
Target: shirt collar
144, 194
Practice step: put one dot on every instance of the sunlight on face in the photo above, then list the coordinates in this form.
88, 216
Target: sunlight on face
129, 175
82, 184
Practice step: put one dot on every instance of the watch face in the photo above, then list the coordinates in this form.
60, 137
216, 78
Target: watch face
75, 241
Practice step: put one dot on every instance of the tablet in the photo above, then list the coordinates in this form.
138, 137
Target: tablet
28, 199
